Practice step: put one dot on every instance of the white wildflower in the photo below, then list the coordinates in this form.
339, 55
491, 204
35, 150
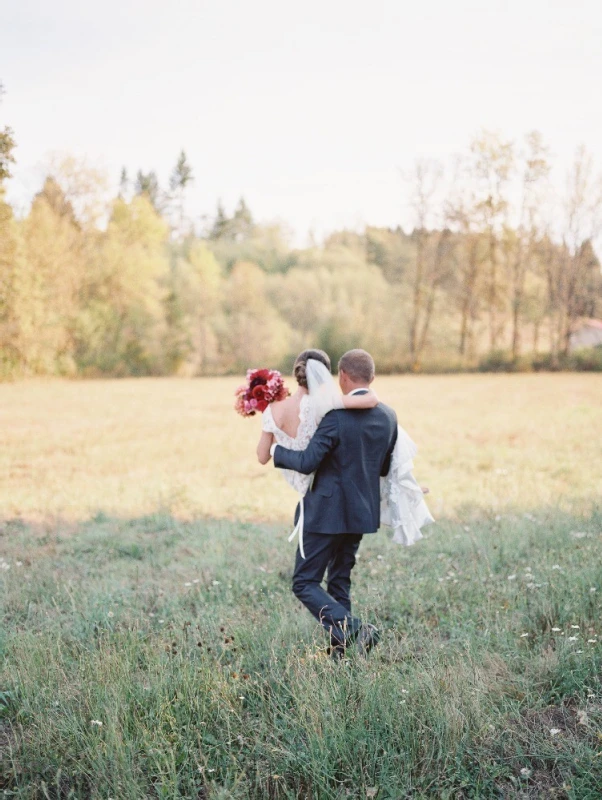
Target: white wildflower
555, 731
523, 635
511, 577
96, 722
110, 614
593, 590
556, 629
572, 639
215, 583
556, 566
188, 583
575, 627
592, 641
525, 773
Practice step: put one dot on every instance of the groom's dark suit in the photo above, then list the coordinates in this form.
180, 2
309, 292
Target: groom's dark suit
349, 453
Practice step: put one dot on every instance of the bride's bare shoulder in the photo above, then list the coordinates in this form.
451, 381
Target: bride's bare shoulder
281, 408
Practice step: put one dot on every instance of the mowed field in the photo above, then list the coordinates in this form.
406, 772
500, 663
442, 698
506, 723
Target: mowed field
150, 646
70, 449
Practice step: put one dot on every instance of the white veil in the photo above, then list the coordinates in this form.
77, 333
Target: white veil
323, 391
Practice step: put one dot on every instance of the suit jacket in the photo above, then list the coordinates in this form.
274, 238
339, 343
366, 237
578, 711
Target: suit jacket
349, 452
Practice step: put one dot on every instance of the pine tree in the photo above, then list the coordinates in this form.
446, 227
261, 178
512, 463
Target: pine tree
180, 178
220, 224
147, 184
123, 184
242, 222
7, 145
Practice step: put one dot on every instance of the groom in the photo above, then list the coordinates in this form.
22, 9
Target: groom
348, 453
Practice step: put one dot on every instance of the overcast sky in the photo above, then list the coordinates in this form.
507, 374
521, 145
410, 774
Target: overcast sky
308, 109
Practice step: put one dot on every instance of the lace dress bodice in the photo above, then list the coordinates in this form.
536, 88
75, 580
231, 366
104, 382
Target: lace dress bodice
307, 427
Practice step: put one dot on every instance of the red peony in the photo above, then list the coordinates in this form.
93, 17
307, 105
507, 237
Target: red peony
264, 386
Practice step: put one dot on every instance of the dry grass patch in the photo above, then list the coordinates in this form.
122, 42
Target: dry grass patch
127, 447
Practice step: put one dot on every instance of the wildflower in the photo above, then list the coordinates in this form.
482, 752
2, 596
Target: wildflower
96, 722
572, 639
380, 558
578, 652
161, 621
575, 627
241, 697
556, 629
592, 589
522, 636
511, 577
110, 614
215, 583
19, 563
196, 580
555, 731
404, 691
188, 583
525, 773
556, 566
592, 641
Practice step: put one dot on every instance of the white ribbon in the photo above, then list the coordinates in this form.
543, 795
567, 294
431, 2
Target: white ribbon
299, 529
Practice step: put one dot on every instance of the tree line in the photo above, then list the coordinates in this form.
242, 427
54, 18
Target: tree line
495, 271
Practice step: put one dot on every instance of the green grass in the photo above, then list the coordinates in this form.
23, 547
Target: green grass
184, 640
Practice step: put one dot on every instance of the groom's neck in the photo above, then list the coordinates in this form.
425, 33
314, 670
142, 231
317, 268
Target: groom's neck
355, 386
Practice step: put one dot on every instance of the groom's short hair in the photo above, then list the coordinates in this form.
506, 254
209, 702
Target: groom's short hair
359, 365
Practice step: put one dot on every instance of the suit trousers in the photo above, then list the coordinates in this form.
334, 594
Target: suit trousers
334, 552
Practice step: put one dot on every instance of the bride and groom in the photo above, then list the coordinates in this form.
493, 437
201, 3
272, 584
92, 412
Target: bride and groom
352, 466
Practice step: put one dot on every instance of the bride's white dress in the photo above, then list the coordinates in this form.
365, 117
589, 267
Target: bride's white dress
403, 507
307, 427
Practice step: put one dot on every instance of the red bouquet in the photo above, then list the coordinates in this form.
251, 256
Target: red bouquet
263, 386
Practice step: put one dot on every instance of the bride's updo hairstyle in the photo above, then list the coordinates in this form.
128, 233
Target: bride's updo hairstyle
301, 363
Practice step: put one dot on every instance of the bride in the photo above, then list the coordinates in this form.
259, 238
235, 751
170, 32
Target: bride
292, 423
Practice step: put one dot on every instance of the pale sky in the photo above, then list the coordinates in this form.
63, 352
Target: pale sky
309, 109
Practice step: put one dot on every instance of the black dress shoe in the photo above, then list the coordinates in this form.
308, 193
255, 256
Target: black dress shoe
367, 638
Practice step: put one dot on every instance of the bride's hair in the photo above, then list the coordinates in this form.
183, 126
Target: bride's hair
301, 363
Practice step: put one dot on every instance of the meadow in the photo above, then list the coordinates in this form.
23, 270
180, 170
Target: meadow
151, 646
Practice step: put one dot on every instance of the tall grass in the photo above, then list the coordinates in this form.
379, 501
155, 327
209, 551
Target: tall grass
210, 681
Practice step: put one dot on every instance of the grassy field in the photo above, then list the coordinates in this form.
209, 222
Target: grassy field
129, 447
151, 647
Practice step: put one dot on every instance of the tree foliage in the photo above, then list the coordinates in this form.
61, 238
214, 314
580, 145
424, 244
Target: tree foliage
97, 285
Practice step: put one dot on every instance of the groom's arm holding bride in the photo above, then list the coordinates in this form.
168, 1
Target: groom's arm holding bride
324, 440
